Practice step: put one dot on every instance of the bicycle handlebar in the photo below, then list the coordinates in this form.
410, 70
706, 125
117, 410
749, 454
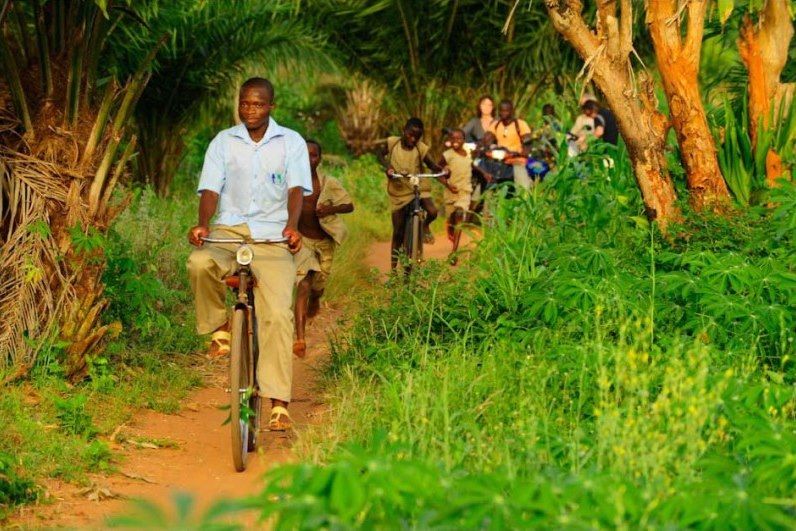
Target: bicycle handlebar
242, 240
396, 175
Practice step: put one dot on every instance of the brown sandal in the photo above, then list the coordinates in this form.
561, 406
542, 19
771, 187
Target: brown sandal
276, 423
219, 344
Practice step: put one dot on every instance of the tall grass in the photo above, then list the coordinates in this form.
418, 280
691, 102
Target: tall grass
580, 370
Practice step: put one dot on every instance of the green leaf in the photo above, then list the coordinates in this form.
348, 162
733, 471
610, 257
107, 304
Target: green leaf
725, 8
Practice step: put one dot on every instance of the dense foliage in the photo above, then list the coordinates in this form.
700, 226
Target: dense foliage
580, 370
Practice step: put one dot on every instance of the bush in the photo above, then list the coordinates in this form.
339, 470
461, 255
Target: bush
580, 370
14, 489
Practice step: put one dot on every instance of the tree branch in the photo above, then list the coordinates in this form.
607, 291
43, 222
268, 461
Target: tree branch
696, 29
568, 21
626, 27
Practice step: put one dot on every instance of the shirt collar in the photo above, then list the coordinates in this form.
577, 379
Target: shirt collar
274, 130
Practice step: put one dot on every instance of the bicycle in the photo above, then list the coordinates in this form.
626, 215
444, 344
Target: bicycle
413, 232
245, 400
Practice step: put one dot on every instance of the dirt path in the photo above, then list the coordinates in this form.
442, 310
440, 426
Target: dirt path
196, 454
189, 451
379, 255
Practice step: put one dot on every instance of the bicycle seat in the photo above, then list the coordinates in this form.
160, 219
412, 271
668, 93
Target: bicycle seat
233, 281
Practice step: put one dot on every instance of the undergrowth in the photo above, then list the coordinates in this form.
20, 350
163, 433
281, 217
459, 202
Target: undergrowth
579, 370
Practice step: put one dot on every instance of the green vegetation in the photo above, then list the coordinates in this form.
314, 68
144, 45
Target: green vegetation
54, 429
579, 370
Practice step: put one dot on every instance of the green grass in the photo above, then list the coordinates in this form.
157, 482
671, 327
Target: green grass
580, 370
56, 430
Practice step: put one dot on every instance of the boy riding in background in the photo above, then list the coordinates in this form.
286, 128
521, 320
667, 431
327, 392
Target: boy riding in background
406, 154
322, 230
514, 135
457, 203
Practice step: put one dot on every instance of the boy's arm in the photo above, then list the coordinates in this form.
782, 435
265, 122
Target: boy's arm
440, 167
384, 159
295, 199
341, 202
208, 202
211, 183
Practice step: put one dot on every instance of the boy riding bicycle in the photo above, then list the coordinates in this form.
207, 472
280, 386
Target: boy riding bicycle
406, 154
255, 176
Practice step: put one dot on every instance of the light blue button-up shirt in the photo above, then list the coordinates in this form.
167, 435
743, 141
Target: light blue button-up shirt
252, 178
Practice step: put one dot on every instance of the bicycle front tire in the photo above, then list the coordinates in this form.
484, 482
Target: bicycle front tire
416, 249
239, 383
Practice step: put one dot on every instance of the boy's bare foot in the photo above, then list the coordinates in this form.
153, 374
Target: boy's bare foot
314, 303
428, 237
300, 348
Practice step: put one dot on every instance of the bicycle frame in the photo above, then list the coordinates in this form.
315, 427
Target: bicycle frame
413, 238
244, 352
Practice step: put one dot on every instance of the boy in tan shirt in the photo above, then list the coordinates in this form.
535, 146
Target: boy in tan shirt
407, 154
459, 195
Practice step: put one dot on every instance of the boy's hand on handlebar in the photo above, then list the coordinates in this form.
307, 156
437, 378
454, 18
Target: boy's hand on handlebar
390, 173
293, 239
196, 234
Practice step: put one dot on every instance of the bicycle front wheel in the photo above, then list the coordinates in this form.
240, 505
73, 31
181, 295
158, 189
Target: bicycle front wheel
241, 388
416, 248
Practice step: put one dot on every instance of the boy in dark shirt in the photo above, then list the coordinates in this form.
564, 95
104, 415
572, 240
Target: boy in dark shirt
321, 231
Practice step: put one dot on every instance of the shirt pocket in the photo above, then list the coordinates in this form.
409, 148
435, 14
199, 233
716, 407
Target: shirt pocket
272, 178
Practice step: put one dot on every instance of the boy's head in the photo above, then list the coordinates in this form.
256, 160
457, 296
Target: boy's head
255, 102
456, 138
506, 110
590, 108
489, 139
548, 110
413, 132
316, 152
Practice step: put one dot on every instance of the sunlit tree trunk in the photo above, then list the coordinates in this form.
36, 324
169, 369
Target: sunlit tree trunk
764, 51
678, 63
607, 54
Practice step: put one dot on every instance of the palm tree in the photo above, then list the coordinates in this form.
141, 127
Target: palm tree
207, 46
65, 141
85, 83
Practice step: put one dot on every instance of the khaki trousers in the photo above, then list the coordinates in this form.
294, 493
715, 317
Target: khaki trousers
275, 270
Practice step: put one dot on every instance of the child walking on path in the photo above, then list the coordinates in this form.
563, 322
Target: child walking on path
322, 230
407, 154
459, 195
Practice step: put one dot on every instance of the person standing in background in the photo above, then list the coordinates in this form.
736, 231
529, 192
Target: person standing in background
485, 115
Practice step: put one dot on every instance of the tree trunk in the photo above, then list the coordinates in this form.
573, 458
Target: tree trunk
678, 64
764, 51
607, 55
